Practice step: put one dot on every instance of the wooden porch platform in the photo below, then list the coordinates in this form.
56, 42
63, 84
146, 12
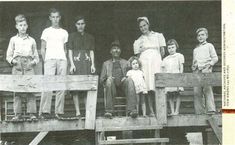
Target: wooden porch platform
186, 120
102, 123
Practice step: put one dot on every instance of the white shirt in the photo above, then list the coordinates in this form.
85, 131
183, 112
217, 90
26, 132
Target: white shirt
22, 46
204, 54
55, 40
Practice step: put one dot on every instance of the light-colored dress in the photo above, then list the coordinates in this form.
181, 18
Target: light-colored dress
151, 58
171, 64
138, 78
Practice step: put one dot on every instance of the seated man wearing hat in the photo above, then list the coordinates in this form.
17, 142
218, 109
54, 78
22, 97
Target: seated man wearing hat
113, 79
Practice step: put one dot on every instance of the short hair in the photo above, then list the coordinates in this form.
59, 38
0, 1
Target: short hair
135, 58
202, 29
79, 17
115, 43
53, 10
172, 42
20, 18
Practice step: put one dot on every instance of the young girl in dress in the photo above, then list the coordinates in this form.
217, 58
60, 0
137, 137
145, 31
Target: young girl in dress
173, 63
138, 77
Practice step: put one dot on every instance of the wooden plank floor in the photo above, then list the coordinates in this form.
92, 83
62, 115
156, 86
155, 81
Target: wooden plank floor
42, 125
65, 125
185, 120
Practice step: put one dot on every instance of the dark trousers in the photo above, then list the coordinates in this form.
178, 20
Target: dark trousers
127, 86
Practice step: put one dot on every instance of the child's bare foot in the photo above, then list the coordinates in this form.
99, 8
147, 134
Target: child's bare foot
151, 115
17, 117
176, 113
77, 116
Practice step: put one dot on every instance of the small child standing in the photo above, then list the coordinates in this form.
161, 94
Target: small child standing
204, 58
138, 77
22, 54
173, 63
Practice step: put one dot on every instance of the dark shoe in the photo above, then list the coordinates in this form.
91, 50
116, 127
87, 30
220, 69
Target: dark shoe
44, 116
108, 115
133, 114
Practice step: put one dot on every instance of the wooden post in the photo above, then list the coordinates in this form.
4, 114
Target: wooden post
91, 109
161, 106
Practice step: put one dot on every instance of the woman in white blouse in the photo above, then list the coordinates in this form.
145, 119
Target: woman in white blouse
150, 49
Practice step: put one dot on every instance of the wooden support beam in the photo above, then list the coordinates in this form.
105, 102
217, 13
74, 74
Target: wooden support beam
218, 131
41, 83
45, 125
38, 138
161, 106
126, 128
186, 120
91, 109
135, 141
122, 123
188, 79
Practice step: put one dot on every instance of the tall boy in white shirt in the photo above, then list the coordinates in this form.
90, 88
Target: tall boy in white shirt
53, 49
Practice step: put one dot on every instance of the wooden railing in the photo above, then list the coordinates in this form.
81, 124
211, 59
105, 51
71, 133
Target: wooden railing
180, 80
42, 83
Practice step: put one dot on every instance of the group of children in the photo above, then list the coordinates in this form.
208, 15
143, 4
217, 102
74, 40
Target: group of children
23, 56
204, 58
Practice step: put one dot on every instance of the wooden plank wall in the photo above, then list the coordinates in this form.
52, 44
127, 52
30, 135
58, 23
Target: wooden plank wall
109, 20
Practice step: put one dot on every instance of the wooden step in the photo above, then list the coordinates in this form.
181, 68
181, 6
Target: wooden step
150, 127
119, 106
135, 141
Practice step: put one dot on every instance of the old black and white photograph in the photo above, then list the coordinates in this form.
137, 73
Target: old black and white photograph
111, 72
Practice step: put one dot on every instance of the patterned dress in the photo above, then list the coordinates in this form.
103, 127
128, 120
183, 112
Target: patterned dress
81, 45
138, 77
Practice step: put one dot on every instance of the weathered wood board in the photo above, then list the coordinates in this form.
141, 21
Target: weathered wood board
188, 79
41, 83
